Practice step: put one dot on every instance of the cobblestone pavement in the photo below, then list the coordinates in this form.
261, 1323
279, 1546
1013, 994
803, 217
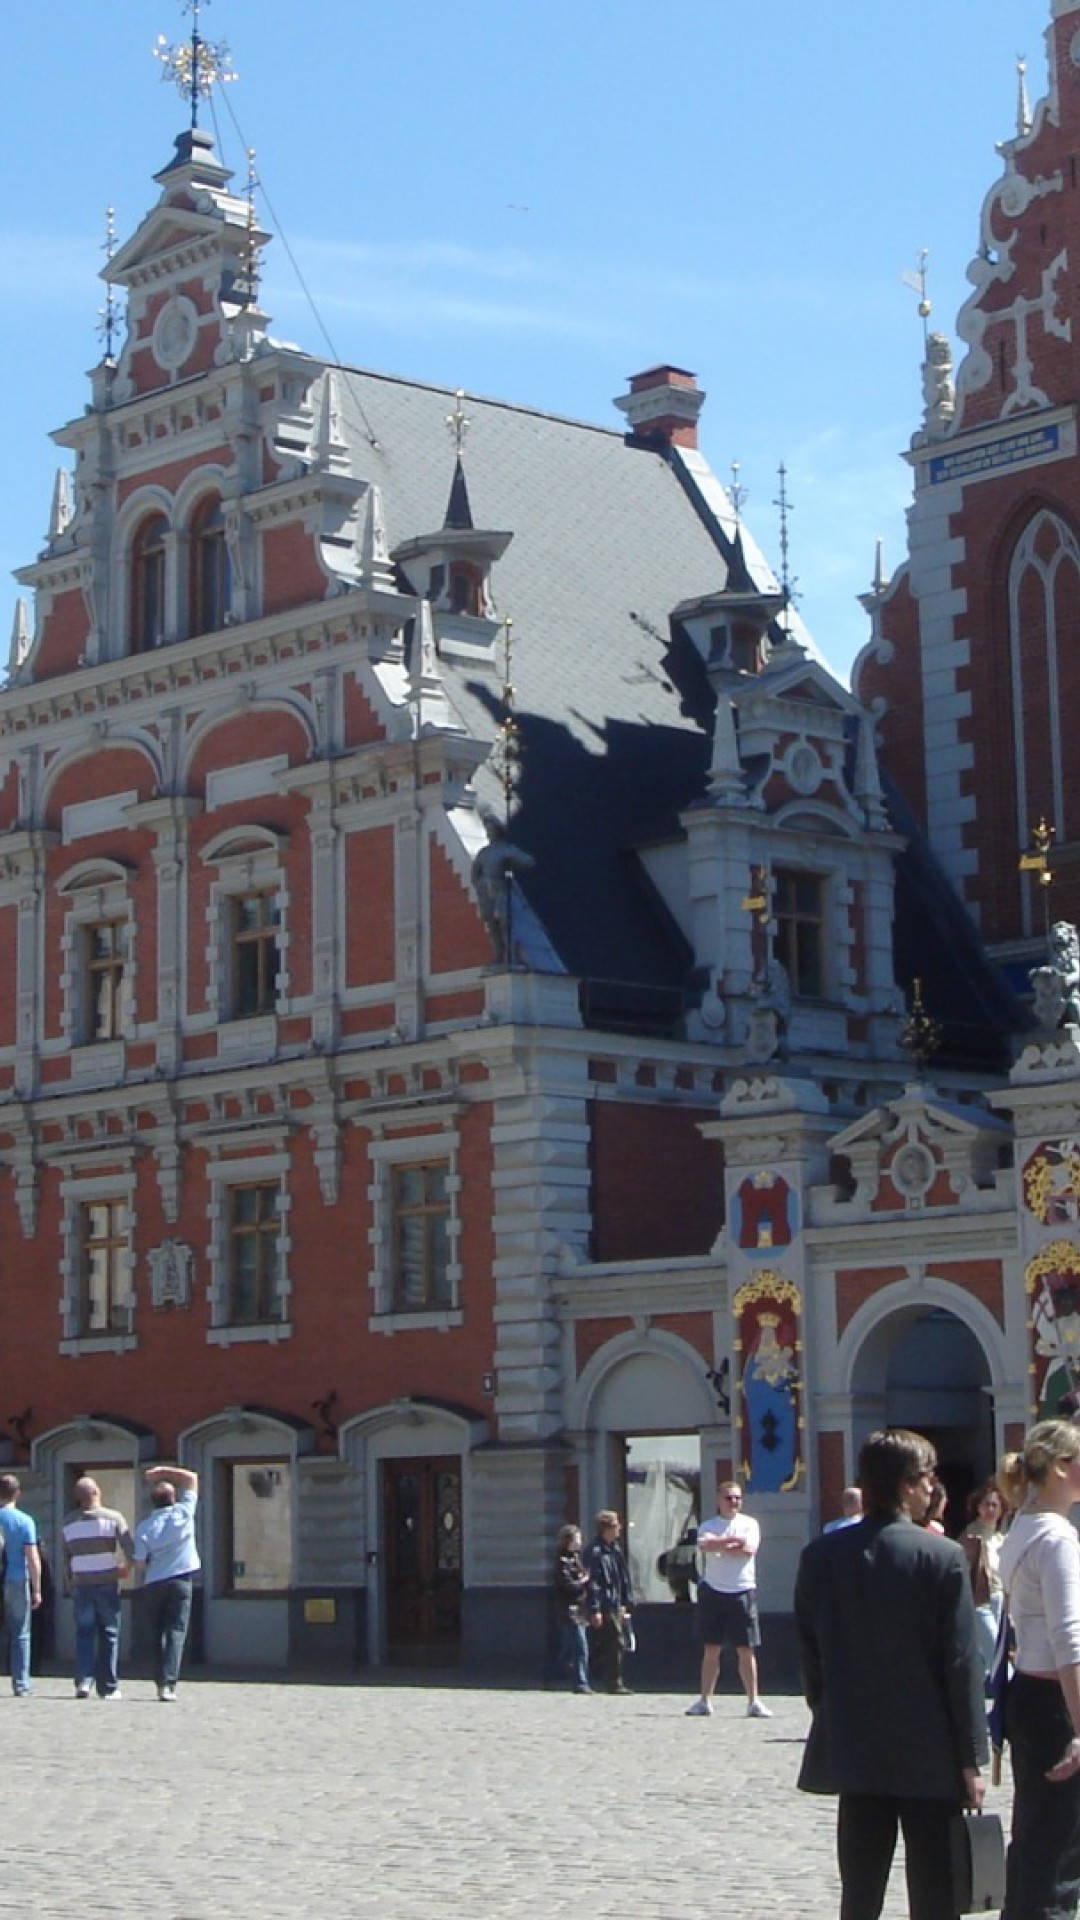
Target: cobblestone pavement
273, 1801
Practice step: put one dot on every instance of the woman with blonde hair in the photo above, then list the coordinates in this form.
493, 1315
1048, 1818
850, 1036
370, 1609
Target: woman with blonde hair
1040, 1571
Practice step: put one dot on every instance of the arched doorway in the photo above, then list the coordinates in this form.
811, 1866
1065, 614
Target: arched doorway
922, 1367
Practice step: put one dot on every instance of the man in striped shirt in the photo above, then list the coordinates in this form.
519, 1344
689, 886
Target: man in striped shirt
98, 1551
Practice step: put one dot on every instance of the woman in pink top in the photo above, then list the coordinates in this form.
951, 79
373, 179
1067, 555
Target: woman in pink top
1040, 1571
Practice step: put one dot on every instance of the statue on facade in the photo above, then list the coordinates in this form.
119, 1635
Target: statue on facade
939, 394
769, 1015
493, 873
1056, 985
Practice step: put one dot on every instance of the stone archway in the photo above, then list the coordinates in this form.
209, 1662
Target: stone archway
922, 1366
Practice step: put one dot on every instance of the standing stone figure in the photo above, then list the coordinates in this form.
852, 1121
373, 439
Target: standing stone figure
492, 877
1056, 985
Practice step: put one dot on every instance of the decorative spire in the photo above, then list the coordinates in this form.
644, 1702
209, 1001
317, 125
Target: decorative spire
736, 493
507, 756
427, 694
108, 315
20, 636
376, 565
194, 65
726, 784
787, 580
60, 511
881, 579
915, 278
1023, 105
332, 447
250, 288
458, 510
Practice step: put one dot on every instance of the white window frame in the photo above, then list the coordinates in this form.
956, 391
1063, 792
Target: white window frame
223, 1175
385, 1155
247, 860
95, 892
77, 1191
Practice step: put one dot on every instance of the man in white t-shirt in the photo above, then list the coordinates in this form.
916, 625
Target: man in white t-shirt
727, 1600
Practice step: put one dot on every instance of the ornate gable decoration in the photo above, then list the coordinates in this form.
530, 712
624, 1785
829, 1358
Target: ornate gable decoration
186, 268
918, 1153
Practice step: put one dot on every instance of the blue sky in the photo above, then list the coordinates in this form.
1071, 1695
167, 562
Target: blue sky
534, 201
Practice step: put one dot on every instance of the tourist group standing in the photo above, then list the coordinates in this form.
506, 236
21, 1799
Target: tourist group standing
100, 1552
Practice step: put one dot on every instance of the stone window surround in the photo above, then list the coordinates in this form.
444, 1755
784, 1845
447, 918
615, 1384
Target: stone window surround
834, 881
75, 1191
385, 1154
179, 512
247, 860
223, 1173
94, 891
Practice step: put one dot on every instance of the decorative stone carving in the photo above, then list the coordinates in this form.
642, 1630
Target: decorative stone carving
939, 396
172, 1270
1056, 985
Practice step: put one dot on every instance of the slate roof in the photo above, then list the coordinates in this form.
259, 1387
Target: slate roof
615, 712
614, 716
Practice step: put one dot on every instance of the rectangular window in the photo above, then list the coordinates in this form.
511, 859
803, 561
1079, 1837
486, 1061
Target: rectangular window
255, 922
420, 1206
104, 948
254, 1259
103, 1267
258, 1502
799, 913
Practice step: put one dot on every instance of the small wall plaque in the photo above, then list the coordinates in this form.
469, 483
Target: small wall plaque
321, 1612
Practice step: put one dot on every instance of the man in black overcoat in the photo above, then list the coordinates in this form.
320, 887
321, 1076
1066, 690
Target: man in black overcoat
894, 1681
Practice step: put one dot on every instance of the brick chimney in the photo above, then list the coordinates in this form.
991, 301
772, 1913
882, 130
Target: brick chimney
662, 407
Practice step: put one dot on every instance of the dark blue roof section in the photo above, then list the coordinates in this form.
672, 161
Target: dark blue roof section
936, 941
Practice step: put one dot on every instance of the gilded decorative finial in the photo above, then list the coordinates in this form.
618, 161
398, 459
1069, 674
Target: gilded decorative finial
920, 1035
756, 902
458, 422
1023, 106
194, 65
1036, 859
508, 745
108, 315
915, 278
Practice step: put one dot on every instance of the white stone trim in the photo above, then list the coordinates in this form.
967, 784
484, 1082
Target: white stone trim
222, 1174
100, 898
385, 1155
77, 1191
254, 867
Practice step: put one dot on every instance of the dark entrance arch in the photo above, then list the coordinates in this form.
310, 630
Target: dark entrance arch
923, 1368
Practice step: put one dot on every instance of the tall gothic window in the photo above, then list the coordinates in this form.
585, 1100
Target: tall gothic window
208, 591
148, 585
1044, 645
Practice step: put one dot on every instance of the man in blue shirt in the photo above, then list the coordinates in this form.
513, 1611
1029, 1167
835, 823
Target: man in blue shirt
22, 1579
167, 1557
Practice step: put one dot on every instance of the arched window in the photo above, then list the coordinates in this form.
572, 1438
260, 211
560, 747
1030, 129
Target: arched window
208, 589
1044, 628
147, 626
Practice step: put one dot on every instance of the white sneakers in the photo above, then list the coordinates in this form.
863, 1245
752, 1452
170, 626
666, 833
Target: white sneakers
757, 1710
166, 1693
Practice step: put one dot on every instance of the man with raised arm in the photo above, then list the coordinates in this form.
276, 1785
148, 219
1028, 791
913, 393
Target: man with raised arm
168, 1558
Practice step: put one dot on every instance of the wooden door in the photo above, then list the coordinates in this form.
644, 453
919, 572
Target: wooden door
422, 1559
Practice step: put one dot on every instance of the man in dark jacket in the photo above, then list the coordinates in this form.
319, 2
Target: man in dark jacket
610, 1601
894, 1682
